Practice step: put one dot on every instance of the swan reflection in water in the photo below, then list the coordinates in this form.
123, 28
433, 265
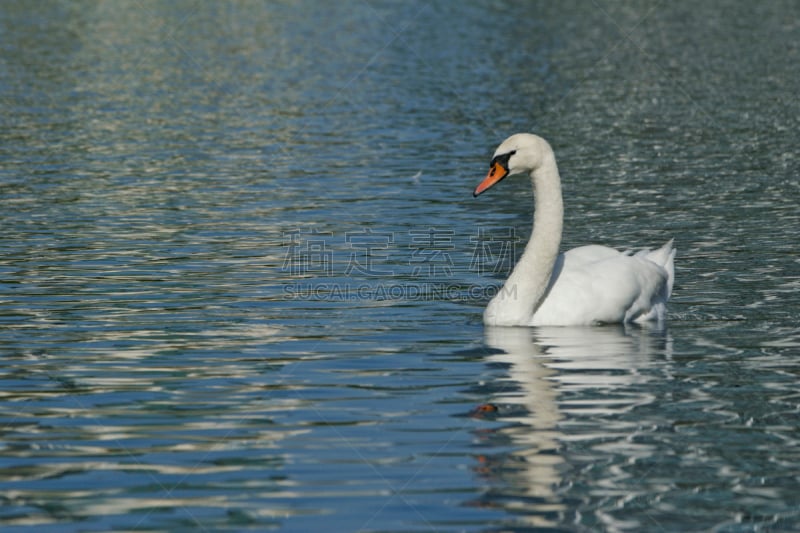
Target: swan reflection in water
561, 385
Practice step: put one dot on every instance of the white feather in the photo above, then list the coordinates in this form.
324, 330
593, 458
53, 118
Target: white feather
583, 286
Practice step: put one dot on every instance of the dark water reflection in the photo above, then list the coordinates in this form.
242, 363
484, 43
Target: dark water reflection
562, 385
609, 421
189, 192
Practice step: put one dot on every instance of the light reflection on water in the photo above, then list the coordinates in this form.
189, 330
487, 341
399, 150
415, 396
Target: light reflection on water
560, 382
157, 372
612, 412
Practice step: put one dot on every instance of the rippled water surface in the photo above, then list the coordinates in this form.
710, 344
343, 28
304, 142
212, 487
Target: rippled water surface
242, 272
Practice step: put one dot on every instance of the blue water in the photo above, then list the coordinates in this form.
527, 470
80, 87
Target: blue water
242, 272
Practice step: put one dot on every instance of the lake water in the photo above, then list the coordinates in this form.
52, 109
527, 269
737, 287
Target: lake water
242, 272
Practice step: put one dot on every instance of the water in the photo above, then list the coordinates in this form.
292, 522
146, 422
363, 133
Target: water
242, 272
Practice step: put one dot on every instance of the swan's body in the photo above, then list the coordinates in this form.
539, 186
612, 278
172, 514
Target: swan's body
583, 286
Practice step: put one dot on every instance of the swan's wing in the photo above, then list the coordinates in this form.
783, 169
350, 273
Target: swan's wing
591, 253
595, 284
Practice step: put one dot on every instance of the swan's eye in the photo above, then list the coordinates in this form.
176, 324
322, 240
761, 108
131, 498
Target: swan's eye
502, 159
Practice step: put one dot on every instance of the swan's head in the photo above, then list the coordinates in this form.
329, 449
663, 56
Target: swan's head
520, 153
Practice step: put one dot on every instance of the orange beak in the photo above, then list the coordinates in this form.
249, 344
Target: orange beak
496, 173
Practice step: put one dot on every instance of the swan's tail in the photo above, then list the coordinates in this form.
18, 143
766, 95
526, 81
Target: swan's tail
665, 257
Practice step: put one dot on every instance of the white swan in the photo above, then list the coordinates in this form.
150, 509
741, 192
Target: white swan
587, 285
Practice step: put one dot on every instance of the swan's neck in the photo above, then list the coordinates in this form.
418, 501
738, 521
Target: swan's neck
527, 285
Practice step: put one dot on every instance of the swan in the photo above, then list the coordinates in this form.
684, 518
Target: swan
588, 285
